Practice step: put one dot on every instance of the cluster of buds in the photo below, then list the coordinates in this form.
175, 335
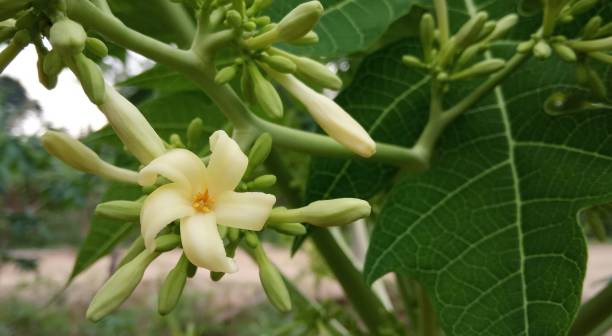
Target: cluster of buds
206, 210
460, 57
592, 45
260, 63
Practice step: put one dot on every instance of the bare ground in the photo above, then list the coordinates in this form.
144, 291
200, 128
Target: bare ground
231, 294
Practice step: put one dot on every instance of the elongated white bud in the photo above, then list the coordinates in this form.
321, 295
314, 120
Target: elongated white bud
330, 116
300, 20
80, 157
131, 127
335, 212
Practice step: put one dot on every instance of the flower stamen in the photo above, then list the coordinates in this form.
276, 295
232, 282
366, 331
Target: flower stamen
202, 202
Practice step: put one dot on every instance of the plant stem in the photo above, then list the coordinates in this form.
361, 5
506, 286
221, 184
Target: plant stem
594, 312
367, 305
442, 18
178, 19
405, 286
428, 324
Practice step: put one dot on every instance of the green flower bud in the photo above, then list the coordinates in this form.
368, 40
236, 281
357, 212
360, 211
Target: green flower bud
119, 287
482, 68
542, 50
68, 37
268, 28
601, 57
262, 20
503, 26
525, 47
468, 55
291, 229
19, 41
259, 152
47, 81
175, 141
96, 46
10, 8
565, 53
91, 78
597, 85
233, 234
582, 6
603, 44
172, 287
80, 157
131, 127
195, 132
134, 250
427, 30
413, 61
299, 21
279, 63
251, 239
234, 19
167, 242
53, 63
246, 86
265, 93
335, 212
128, 211
470, 31
312, 72
262, 182
249, 26
605, 30
226, 74
590, 29
257, 6
272, 282
310, 38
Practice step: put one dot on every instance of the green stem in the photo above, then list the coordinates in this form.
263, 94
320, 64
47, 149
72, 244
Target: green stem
175, 15
594, 312
405, 287
367, 305
428, 324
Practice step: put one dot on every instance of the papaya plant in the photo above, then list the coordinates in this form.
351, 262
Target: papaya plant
476, 144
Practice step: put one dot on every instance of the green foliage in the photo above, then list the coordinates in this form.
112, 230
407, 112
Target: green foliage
347, 26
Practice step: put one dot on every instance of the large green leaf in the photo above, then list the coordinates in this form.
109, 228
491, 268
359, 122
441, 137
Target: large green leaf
347, 26
104, 234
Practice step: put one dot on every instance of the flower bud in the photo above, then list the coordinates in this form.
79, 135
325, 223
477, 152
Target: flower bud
330, 116
195, 132
226, 74
542, 50
503, 26
582, 6
119, 287
47, 81
176, 141
598, 87
172, 287
468, 55
96, 46
605, 30
310, 38
246, 86
291, 229
335, 212
265, 94
259, 152
91, 78
10, 8
565, 53
234, 19
68, 37
131, 127
262, 20
482, 68
262, 182
272, 282
133, 251
299, 21
128, 211
312, 72
591, 28
251, 239
413, 61
427, 30
167, 242
80, 157
525, 47
470, 31
53, 63
279, 63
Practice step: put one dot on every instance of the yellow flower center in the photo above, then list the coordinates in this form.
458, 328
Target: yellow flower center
202, 202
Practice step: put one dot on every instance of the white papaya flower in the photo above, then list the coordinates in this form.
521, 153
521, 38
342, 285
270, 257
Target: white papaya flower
201, 197
334, 120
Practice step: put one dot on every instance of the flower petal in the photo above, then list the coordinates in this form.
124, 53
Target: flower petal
178, 165
248, 210
227, 164
202, 243
166, 204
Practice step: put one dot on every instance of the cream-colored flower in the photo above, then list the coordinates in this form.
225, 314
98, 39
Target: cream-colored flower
334, 120
202, 197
